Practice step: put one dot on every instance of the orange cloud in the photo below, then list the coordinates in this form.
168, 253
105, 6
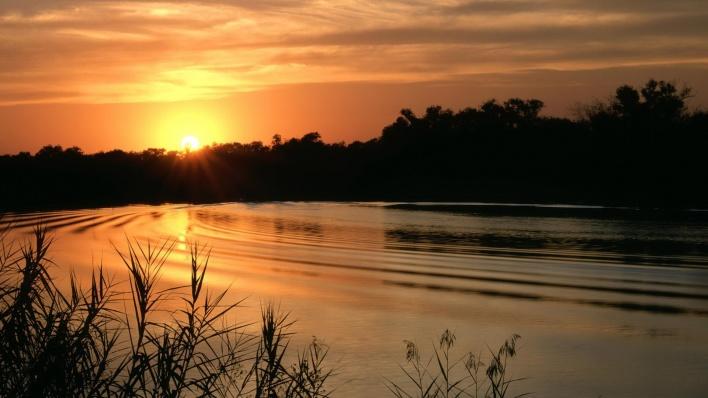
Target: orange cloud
143, 51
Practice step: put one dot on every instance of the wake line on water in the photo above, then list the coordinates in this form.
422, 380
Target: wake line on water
620, 305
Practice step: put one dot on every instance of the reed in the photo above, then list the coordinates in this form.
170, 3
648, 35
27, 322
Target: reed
79, 344
56, 344
442, 375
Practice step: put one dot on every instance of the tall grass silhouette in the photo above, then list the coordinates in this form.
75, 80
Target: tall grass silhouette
78, 344
441, 375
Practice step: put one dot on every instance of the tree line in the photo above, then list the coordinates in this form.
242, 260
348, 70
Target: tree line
643, 147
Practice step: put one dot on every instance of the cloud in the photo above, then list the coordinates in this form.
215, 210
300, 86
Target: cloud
603, 6
684, 26
128, 51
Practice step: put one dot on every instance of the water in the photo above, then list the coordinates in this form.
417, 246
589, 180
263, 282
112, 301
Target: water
609, 302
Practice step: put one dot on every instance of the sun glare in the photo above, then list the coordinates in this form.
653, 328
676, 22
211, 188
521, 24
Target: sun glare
189, 143
186, 126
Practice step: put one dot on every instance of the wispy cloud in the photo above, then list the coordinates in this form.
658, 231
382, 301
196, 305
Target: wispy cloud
130, 51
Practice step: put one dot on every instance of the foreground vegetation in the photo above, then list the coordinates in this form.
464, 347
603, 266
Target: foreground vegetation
80, 344
100, 342
643, 147
442, 375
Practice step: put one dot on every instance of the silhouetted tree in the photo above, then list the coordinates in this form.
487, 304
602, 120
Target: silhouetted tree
642, 147
50, 152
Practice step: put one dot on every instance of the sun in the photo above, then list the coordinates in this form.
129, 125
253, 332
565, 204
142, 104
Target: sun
189, 143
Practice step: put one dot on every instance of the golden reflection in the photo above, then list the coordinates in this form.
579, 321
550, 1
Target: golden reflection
178, 222
369, 276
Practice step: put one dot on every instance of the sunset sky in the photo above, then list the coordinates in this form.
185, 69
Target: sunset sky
137, 74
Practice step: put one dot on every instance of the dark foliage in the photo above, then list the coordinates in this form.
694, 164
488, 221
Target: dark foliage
642, 148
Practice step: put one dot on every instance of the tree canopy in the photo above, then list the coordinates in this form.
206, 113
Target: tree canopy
643, 147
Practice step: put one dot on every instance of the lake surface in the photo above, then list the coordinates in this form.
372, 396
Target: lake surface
609, 302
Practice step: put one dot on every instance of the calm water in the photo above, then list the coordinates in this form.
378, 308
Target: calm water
609, 302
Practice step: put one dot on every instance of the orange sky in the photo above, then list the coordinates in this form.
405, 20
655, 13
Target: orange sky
134, 74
